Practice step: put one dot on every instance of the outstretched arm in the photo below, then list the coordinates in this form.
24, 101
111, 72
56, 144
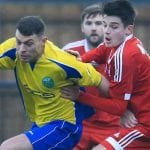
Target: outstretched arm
110, 105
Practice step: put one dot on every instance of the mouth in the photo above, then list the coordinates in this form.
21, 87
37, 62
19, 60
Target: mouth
23, 57
107, 40
94, 35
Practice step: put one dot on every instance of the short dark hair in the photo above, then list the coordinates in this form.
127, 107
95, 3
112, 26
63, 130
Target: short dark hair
91, 10
122, 9
30, 25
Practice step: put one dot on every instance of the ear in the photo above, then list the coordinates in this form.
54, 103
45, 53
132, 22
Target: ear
129, 29
44, 39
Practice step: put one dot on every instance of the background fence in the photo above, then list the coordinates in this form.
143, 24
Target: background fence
63, 25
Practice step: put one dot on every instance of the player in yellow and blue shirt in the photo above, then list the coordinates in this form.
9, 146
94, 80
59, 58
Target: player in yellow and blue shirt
41, 70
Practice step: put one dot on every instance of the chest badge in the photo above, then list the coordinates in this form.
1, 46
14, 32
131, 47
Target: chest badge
48, 82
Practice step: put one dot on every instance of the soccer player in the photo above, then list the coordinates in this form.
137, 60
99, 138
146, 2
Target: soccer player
101, 124
128, 70
41, 70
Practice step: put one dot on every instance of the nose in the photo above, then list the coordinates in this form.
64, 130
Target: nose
22, 48
107, 30
93, 27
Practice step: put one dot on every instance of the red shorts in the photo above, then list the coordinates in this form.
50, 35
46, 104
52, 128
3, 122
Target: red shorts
127, 139
94, 134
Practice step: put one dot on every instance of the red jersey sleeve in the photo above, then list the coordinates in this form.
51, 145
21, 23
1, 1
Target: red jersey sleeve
109, 105
98, 55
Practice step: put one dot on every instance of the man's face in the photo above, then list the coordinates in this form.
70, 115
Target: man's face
114, 31
93, 29
29, 48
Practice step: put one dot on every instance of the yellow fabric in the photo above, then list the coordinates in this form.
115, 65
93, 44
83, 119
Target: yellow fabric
40, 83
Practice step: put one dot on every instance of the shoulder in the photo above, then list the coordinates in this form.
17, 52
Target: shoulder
8, 46
10, 42
74, 44
102, 46
133, 46
134, 51
52, 51
50, 46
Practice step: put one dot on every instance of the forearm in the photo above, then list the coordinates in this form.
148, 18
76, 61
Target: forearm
112, 106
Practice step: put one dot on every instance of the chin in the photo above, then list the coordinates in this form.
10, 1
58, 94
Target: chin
108, 45
25, 60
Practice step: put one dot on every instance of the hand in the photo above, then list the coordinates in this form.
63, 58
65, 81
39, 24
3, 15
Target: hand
75, 53
128, 120
70, 92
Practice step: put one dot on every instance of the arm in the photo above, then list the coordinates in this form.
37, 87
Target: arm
112, 106
104, 86
72, 92
8, 54
98, 55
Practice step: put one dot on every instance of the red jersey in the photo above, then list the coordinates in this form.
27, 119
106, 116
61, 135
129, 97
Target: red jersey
100, 117
128, 70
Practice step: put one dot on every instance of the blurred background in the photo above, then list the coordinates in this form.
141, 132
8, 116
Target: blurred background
62, 18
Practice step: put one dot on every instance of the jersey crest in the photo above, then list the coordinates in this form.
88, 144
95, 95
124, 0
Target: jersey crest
48, 82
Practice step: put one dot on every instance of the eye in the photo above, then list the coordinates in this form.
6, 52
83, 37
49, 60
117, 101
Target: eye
98, 23
114, 27
18, 42
88, 22
29, 44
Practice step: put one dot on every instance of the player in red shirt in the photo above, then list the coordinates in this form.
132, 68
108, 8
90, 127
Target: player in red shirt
91, 27
128, 70
101, 124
